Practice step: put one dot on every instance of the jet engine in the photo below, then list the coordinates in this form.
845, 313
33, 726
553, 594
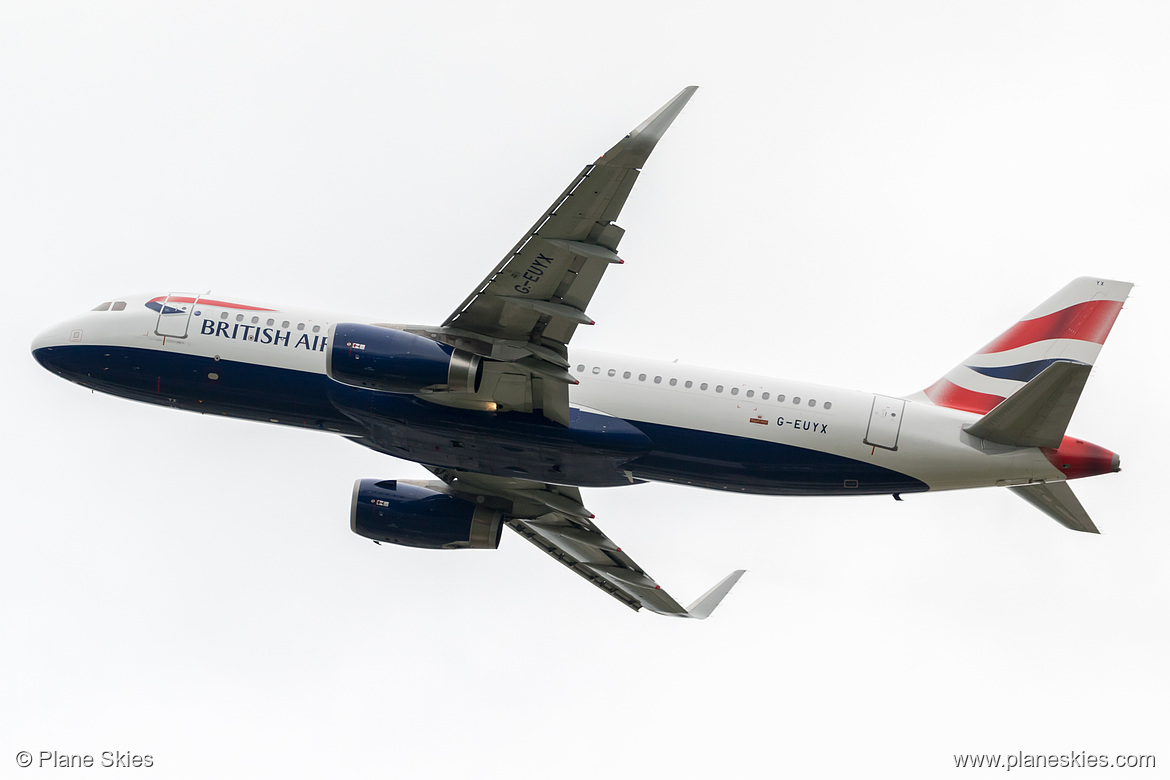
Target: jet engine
420, 516
381, 358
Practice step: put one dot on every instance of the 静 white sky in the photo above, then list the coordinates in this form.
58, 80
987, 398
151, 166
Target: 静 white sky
860, 194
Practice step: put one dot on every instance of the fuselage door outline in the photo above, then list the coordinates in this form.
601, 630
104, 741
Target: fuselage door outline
174, 315
885, 421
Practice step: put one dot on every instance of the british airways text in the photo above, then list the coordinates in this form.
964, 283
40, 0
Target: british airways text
275, 336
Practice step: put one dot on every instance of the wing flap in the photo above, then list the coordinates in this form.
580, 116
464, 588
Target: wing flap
558, 554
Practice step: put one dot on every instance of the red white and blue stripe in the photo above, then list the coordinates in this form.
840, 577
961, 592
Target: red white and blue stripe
1070, 326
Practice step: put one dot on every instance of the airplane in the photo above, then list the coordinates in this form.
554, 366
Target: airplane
513, 425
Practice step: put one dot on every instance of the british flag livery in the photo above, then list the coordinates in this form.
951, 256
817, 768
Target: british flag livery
1071, 326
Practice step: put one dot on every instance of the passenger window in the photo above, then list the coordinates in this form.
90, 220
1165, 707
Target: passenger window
764, 396
735, 391
812, 402
688, 384
673, 382
703, 386
597, 369
828, 404
641, 377
796, 400
223, 315
780, 398
284, 324
657, 380
239, 318
300, 326
626, 375
271, 322
611, 372
255, 320
750, 393
316, 328
580, 368
718, 388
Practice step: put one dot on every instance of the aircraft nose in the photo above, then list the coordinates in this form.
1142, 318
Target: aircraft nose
57, 335
47, 340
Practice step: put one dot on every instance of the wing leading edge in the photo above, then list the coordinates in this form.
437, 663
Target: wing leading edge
553, 518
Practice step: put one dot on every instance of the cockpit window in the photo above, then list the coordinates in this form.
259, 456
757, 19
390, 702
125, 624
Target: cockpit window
118, 306
102, 306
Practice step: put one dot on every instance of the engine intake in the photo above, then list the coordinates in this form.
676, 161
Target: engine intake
394, 361
418, 516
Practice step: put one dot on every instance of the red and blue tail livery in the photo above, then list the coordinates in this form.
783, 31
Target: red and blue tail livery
1070, 326
514, 425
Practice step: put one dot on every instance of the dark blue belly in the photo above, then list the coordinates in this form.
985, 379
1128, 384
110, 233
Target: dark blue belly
595, 450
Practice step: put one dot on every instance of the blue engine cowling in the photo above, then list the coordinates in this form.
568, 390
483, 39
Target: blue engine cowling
395, 361
417, 516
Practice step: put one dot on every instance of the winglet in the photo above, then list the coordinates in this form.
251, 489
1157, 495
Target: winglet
633, 150
705, 604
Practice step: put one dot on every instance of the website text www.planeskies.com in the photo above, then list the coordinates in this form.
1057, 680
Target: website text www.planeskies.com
1070, 760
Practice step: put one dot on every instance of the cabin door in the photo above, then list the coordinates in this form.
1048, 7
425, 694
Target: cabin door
175, 315
885, 421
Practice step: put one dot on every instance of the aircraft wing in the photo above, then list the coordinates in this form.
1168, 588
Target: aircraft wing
527, 309
553, 518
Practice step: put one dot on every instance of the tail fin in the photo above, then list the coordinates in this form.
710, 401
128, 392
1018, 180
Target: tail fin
1026, 384
1045, 347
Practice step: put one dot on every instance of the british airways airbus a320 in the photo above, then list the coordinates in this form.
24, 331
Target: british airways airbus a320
512, 423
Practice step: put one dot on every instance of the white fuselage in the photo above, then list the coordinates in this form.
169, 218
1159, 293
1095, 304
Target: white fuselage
916, 439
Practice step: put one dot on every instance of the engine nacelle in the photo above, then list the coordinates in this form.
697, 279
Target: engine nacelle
395, 361
417, 516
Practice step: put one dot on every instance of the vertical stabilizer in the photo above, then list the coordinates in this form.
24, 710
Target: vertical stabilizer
1069, 327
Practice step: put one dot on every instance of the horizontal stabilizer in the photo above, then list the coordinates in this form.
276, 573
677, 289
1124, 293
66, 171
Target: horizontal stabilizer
1038, 413
1057, 500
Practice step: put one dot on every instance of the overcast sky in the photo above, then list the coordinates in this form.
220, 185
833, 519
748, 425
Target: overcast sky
860, 194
